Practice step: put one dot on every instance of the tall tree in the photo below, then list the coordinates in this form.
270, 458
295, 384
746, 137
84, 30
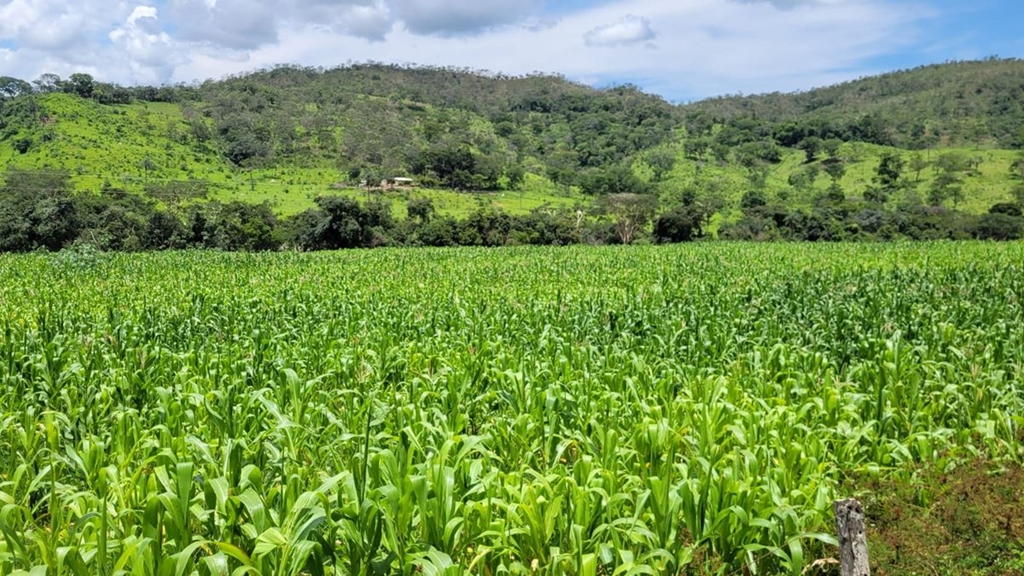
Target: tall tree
811, 146
835, 170
946, 186
889, 171
631, 213
13, 87
80, 84
48, 83
917, 165
1017, 167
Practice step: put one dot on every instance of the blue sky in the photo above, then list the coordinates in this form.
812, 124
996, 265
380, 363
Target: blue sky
964, 31
681, 49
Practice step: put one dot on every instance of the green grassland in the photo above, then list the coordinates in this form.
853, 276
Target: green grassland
991, 183
109, 144
293, 190
685, 409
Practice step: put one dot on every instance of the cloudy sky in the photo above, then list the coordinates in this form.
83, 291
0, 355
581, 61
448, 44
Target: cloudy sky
681, 49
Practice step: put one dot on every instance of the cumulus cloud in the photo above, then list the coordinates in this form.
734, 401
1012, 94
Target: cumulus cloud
459, 17
150, 53
629, 29
371, 19
232, 24
149, 40
54, 25
61, 37
250, 24
715, 46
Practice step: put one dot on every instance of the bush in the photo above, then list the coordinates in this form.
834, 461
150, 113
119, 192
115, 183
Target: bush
1005, 208
683, 224
999, 227
22, 145
438, 232
753, 199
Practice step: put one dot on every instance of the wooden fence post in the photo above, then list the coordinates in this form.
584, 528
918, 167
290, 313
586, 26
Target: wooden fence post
853, 542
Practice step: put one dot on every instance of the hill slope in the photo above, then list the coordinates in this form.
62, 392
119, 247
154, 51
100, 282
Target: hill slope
959, 104
289, 134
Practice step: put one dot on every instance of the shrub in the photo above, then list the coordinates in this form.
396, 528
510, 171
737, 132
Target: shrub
999, 227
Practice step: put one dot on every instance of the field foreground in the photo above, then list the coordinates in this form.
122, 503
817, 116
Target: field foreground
686, 409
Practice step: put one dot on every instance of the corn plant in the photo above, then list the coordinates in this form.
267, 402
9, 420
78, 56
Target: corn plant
580, 411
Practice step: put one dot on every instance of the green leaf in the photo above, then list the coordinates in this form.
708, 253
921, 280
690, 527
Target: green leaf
270, 540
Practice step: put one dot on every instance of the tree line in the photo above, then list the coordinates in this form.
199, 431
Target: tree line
40, 211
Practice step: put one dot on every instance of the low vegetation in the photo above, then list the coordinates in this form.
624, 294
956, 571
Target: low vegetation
947, 518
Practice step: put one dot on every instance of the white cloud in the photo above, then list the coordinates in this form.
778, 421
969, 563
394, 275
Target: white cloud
706, 47
150, 53
58, 36
371, 21
233, 24
54, 25
457, 17
786, 4
251, 24
629, 29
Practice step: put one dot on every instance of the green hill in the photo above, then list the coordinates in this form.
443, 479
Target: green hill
151, 147
289, 134
975, 103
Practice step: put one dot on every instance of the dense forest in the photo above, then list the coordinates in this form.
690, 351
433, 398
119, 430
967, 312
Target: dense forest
295, 157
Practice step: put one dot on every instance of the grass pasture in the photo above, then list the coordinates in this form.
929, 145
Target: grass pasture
687, 409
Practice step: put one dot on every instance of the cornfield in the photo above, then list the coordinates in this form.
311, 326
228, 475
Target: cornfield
578, 411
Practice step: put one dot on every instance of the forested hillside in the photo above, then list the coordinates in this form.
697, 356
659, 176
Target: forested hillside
919, 153
454, 129
979, 103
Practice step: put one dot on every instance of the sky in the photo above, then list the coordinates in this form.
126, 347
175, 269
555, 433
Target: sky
683, 50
